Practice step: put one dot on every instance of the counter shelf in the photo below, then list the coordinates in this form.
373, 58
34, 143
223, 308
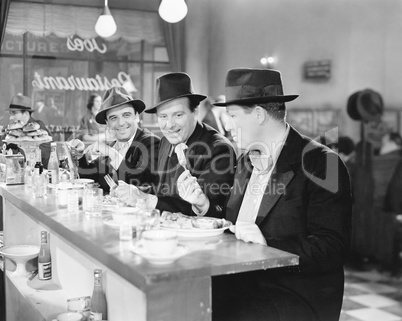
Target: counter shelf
177, 291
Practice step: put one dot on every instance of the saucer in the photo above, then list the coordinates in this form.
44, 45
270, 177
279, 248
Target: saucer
160, 259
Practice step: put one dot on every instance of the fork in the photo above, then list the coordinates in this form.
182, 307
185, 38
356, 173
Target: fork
112, 184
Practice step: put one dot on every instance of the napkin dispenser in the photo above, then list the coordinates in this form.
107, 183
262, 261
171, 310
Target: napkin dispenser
12, 169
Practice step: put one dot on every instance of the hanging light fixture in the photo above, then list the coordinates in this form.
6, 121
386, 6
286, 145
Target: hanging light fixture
105, 26
173, 11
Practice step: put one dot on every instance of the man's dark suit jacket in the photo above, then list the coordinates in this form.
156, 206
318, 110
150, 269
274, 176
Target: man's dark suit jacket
137, 168
210, 158
306, 210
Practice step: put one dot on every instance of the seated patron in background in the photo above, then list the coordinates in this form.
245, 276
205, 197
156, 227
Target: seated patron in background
132, 155
195, 163
90, 129
290, 193
20, 110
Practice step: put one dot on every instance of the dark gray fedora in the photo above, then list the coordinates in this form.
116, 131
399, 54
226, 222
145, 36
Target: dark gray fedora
116, 97
246, 86
172, 86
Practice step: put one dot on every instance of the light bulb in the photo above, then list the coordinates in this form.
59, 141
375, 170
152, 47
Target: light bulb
105, 26
173, 10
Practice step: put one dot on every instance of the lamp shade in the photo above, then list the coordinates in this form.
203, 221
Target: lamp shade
173, 11
105, 26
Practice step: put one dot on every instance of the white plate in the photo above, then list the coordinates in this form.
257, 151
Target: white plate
20, 251
197, 232
158, 259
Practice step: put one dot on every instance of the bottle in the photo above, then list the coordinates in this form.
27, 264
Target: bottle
38, 168
44, 258
98, 301
53, 166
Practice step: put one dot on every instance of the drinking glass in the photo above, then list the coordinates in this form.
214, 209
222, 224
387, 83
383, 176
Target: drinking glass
152, 218
92, 202
39, 183
72, 201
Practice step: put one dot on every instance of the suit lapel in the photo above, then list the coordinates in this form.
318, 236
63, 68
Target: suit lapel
275, 188
137, 138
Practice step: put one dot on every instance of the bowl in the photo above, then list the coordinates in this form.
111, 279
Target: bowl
127, 215
160, 242
87, 182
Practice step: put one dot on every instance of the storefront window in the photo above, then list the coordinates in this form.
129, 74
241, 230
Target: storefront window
60, 74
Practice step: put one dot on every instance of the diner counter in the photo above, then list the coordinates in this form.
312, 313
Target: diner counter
177, 291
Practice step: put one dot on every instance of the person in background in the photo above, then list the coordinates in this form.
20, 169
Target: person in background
391, 142
20, 109
296, 198
53, 114
90, 129
132, 156
346, 149
196, 179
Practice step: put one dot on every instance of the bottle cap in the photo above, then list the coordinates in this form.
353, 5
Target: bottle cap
97, 272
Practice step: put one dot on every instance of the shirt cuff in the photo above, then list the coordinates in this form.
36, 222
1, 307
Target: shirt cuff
201, 212
152, 201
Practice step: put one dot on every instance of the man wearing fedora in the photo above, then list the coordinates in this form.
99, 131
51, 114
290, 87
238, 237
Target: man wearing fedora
195, 162
290, 193
20, 110
133, 153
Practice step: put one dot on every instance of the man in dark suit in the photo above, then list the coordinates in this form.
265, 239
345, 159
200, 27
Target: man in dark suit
133, 154
195, 163
290, 193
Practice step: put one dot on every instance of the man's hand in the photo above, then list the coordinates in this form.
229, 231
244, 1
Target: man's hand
98, 148
248, 232
128, 194
77, 147
190, 191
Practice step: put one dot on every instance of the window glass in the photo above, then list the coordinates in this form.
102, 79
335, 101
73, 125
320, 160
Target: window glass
60, 74
11, 83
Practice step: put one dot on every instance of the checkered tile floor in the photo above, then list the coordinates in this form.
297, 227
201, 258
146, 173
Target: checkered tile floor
371, 296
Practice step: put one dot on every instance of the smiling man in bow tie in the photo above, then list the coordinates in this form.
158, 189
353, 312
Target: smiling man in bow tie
195, 162
290, 193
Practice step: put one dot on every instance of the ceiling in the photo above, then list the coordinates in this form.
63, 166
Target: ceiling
144, 5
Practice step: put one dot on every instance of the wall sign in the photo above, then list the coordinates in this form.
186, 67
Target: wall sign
96, 83
317, 70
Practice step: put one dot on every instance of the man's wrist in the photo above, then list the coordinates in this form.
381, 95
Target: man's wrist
152, 201
201, 209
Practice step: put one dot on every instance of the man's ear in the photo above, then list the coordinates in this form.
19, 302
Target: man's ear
260, 114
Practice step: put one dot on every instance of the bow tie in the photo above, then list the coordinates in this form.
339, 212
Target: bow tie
261, 162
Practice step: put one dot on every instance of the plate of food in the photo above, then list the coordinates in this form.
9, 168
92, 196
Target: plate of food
193, 226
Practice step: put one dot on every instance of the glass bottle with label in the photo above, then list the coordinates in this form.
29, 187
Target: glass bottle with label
44, 258
98, 301
38, 168
53, 166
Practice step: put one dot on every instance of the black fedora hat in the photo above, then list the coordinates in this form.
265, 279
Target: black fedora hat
351, 106
370, 105
116, 97
172, 86
246, 86
20, 102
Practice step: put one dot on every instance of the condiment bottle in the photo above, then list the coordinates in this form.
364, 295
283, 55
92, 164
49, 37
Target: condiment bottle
38, 168
53, 166
44, 258
98, 301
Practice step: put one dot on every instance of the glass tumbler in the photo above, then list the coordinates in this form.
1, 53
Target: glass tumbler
92, 202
